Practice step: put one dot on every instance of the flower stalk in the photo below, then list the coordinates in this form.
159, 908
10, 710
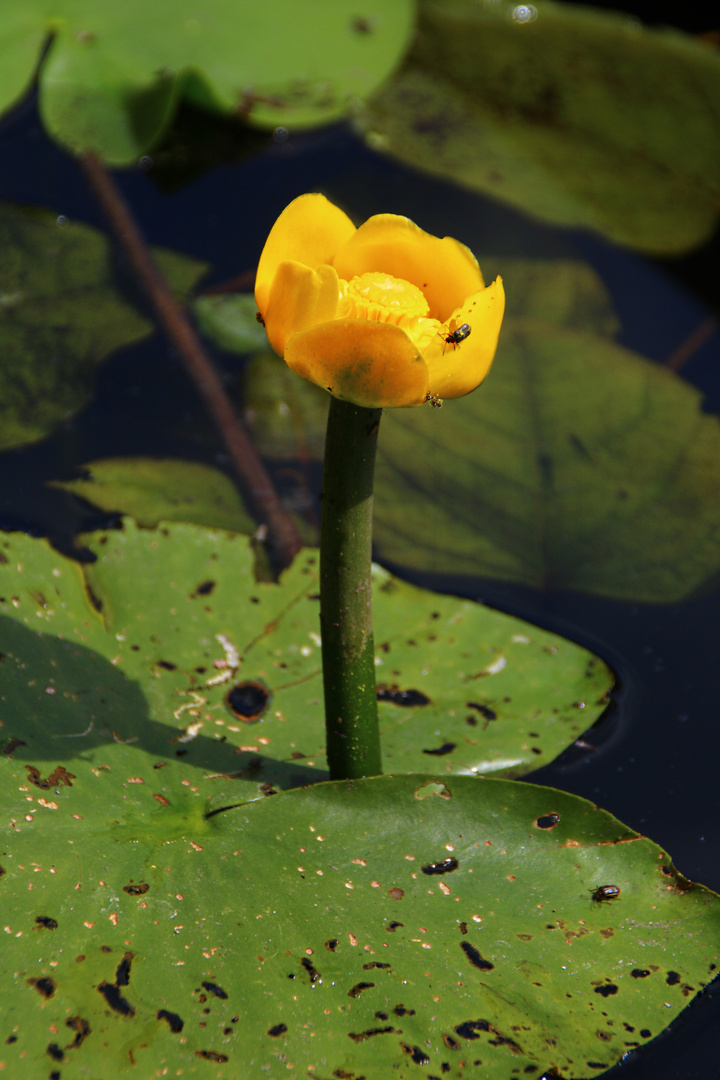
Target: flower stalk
351, 714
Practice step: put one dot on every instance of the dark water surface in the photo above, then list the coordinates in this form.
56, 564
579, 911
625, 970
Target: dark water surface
657, 757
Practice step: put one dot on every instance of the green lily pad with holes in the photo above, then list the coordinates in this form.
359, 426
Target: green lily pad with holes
61, 315
113, 73
576, 116
576, 465
166, 648
162, 489
362, 928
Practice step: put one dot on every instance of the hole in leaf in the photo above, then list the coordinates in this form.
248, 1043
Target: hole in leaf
433, 788
547, 821
136, 890
174, 1021
406, 698
248, 701
440, 751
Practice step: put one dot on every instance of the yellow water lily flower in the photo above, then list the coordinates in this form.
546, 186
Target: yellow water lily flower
381, 316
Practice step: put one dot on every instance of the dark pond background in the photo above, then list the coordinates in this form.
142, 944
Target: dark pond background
655, 765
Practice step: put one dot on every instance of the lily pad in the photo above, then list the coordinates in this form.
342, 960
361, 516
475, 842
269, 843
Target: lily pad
347, 929
577, 465
61, 316
113, 73
161, 489
168, 641
576, 116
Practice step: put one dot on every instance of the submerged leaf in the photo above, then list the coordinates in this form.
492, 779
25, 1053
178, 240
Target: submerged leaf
61, 315
577, 116
579, 466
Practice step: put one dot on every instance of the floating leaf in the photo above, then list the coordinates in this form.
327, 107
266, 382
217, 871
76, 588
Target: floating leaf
355, 928
579, 117
160, 489
61, 315
577, 465
114, 72
169, 642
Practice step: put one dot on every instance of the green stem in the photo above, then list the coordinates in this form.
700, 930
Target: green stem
351, 716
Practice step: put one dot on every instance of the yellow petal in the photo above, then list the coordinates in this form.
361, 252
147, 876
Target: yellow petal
367, 363
310, 230
299, 298
455, 370
445, 270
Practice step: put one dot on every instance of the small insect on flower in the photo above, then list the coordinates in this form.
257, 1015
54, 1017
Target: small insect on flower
605, 892
458, 335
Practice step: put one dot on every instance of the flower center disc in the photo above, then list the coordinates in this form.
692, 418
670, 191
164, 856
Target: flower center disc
384, 298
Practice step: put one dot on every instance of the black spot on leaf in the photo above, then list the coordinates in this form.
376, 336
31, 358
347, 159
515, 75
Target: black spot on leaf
55, 1052
115, 1000
440, 751
81, 1028
210, 1055
374, 964
475, 958
607, 990
393, 926
406, 698
204, 589
672, 978
484, 710
416, 1054
278, 1029
122, 975
136, 890
357, 990
213, 988
400, 1010
639, 973
173, 1020
363, 1036
332, 944
44, 986
311, 970
469, 1030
